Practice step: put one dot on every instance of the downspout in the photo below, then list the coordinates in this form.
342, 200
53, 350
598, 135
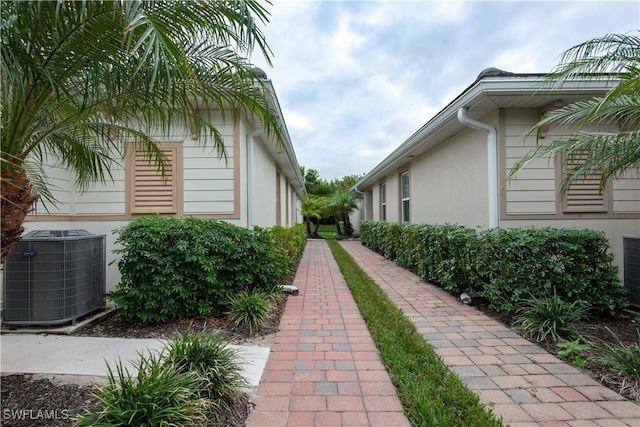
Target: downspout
250, 203
492, 162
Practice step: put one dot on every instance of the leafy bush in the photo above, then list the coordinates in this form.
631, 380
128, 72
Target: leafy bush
215, 363
159, 395
577, 264
505, 265
550, 318
181, 268
250, 309
290, 241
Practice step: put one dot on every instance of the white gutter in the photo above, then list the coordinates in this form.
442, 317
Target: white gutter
492, 162
250, 137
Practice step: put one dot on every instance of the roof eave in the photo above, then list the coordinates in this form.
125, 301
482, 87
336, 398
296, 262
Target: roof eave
524, 85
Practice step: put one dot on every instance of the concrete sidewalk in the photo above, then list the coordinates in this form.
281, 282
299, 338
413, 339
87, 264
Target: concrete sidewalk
85, 358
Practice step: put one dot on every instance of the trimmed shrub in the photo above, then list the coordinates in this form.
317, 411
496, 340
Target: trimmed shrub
182, 268
291, 242
576, 264
505, 265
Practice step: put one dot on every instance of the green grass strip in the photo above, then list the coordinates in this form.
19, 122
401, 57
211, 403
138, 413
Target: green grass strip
430, 394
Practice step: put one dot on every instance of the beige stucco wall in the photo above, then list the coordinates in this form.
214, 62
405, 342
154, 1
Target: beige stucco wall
449, 185
393, 196
449, 182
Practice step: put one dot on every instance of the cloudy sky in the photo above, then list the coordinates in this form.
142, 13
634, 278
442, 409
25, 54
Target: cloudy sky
356, 78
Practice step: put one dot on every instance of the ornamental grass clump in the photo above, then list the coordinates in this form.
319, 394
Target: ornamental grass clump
250, 309
550, 318
626, 362
159, 394
215, 363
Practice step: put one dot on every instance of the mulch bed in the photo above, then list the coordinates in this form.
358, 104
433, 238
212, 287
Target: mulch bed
36, 400
28, 401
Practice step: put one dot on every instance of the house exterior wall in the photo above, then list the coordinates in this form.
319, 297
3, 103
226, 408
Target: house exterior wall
264, 186
449, 182
533, 198
210, 187
449, 185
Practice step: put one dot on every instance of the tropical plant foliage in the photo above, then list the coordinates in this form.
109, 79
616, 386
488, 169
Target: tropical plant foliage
174, 268
82, 79
217, 366
341, 204
158, 394
603, 152
550, 318
313, 209
196, 381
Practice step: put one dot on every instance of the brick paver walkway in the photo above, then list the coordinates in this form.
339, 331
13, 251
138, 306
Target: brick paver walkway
521, 382
324, 370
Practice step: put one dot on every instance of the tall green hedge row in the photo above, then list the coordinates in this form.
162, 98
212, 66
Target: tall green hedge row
505, 265
174, 268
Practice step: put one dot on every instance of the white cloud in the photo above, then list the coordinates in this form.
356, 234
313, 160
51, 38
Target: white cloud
356, 78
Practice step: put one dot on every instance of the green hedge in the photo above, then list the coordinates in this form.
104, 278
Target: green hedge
175, 268
505, 265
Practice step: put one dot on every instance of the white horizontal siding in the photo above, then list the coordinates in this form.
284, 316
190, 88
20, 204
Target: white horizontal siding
208, 151
535, 207
208, 177
626, 193
208, 174
108, 198
206, 163
114, 208
58, 181
210, 185
533, 190
210, 207
208, 196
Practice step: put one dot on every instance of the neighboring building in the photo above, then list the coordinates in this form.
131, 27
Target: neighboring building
453, 169
257, 184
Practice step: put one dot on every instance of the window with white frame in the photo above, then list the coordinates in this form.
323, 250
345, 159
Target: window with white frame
404, 190
383, 202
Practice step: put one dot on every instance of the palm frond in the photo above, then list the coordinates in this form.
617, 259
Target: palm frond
614, 149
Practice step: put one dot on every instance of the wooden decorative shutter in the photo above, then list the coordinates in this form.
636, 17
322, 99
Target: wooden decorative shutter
150, 193
583, 195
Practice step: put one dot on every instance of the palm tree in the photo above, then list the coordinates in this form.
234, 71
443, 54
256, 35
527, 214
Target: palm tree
311, 208
341, 204
602, 154
82, 79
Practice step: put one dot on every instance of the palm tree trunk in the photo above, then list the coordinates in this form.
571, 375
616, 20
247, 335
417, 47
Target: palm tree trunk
348, 230
308, 221
17, 202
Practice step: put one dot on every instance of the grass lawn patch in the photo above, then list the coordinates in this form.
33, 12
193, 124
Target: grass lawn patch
429, 392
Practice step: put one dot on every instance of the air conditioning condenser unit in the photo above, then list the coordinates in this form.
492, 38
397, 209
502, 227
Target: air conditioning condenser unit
52, 277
